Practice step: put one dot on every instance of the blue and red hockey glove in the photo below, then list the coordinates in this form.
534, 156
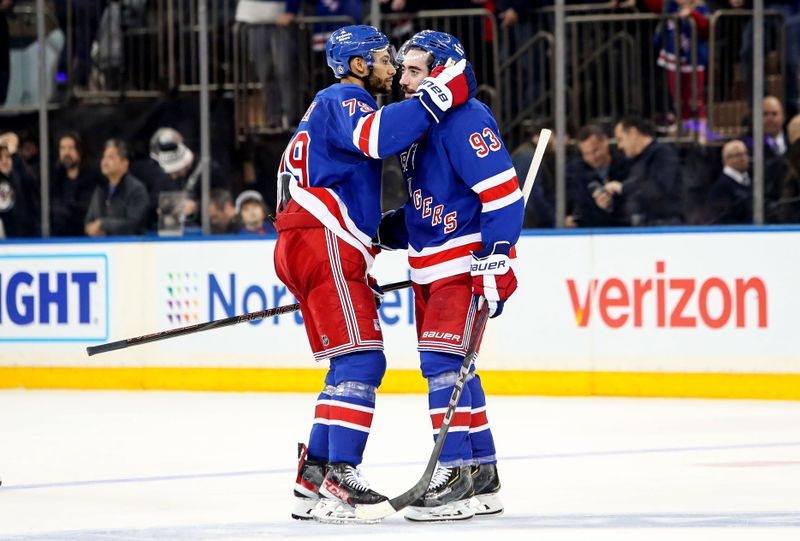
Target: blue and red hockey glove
446, 88
377, 290
492, 276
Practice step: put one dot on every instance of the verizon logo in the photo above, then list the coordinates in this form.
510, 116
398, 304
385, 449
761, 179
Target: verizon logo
670, 302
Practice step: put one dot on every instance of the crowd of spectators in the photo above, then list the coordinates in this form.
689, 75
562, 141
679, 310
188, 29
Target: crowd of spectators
121, 196
643, 182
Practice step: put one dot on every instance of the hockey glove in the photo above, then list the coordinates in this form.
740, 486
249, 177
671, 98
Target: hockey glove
392, 231
446, 88
376, 290
492, 276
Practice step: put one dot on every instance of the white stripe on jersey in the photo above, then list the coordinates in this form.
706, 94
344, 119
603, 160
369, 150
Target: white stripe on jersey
452, 243
374, 132
495, 180
510, 199
441, 270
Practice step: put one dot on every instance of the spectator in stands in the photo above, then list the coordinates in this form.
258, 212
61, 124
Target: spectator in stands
273, 51
678, 64
119, 206
540, 211
793, 129
222, 212
16, 214
776, 142
652, 188
71, 187
730, 199
24, 151
23, 87
589, 203
252, 212
787, 208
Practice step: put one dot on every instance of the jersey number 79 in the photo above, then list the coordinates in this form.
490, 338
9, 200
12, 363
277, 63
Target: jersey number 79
296, 157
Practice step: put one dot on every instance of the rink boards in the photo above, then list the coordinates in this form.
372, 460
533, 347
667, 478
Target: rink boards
672, 312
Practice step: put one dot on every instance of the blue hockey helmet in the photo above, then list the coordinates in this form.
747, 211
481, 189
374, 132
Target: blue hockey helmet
352, 41
442, 47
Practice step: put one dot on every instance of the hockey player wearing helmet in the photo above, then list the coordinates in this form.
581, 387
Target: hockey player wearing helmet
328, 216
460, 223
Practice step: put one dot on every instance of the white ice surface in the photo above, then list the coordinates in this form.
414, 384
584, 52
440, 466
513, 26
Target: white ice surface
169, 465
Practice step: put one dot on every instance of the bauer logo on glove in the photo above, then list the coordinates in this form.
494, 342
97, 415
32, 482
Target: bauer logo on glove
492, 276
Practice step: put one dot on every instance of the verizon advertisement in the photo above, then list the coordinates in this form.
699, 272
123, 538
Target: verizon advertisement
716, 302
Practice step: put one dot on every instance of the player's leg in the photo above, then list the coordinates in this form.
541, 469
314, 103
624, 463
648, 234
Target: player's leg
342, 306
485, 479
350, 410
312, 459
444, 313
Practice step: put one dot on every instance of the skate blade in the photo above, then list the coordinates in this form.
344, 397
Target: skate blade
487, 505
335, 512
303, 507
450, 512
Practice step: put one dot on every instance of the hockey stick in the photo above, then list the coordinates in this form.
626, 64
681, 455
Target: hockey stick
216, 324
378, 511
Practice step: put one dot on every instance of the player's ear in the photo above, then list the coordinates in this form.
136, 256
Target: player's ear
359, 66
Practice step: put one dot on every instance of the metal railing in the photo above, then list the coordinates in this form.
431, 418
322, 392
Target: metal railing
728, 91
310, 72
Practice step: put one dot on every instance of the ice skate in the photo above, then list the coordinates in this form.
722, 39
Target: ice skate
447, 498
486, 483
344, 489
310, 474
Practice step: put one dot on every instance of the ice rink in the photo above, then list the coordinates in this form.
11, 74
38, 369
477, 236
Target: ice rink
174, 465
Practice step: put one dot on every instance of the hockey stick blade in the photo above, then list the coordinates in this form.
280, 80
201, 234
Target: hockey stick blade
382, 510
216, 324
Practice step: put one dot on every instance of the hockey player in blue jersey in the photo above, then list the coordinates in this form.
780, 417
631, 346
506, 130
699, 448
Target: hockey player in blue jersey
460, 225
324, 249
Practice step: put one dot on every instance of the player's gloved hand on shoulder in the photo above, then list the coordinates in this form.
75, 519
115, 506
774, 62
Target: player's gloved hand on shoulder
376, 290
446, 88
392, 231
492, 276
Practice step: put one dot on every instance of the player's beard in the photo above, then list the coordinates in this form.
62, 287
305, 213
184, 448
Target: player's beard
378, 85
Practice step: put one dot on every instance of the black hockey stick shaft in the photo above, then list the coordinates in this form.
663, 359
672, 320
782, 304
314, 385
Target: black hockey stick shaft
216, 324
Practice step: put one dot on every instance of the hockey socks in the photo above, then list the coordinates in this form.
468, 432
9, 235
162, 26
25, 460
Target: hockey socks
318, 440
457, 450
480, 435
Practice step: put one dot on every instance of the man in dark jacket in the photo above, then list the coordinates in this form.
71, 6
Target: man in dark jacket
119, 206
730, 199
590, 205
652, 188
71, 188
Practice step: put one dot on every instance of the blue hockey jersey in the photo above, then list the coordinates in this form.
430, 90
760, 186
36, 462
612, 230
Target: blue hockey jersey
464, 194
334, 157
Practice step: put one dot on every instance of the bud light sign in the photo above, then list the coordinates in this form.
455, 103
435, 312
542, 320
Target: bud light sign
53, 297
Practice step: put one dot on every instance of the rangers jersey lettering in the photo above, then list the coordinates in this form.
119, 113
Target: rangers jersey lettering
334, 157
464, 193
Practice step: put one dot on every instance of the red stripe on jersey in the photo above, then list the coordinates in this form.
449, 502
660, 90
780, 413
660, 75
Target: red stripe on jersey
330, 203
363, 137
478, 419
461, 418
499, 191
420, 262
321, 411
356, 417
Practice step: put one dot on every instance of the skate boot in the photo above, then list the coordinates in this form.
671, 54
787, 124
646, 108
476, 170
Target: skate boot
344, 489
310, 474
487, 484
447, 498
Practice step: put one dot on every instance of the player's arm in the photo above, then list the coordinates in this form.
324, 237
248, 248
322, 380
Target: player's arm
481, 160
393, 128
